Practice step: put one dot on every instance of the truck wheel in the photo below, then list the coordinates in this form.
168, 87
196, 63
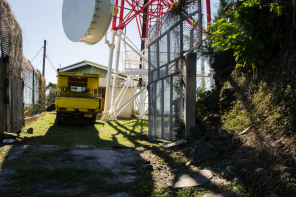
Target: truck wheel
92, 121
59, 119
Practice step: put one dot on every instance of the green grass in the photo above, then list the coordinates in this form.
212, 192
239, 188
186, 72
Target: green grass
47, 155
107, 173
65, 175
92, 182
24, 179
40, 156
3, 152
130, 133
113, 134
88, 158
127, 133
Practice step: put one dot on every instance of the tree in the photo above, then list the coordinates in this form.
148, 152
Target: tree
51, 88
254, 29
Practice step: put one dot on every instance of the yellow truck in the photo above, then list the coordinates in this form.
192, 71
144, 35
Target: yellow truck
78, 97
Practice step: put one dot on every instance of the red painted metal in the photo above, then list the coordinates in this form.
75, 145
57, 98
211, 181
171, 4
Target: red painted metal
136, 9
114, 18
121, 15
144, 12
208, 5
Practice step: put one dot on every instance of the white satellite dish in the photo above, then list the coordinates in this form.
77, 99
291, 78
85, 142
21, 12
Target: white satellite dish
86, 20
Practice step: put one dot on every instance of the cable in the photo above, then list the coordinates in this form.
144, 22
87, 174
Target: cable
37, 64
37, 54
47, 57
50, 62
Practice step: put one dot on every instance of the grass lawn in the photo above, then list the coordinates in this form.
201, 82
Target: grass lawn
113, 134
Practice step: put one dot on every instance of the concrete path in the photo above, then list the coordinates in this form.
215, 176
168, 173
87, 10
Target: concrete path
115, 166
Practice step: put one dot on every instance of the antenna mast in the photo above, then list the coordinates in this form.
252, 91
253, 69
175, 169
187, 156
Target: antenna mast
44, 56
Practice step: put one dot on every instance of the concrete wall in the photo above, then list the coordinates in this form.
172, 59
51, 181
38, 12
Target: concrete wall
102, 82
129, 110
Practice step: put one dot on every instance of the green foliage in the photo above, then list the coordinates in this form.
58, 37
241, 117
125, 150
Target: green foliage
254, 29
236, 119
268, 105
202, 107
52, 91
262, 35
207, 102
223, 8
177, 7
28, 110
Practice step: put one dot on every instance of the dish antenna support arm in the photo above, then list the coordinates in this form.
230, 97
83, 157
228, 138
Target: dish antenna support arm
111, 45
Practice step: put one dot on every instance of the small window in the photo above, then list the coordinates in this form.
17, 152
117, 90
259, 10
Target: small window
77, 89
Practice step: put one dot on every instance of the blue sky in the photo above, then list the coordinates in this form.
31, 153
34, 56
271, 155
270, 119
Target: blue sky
42, 20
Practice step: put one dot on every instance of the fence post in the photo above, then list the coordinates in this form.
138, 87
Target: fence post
7, 123
33, 93
2, 105
190, 93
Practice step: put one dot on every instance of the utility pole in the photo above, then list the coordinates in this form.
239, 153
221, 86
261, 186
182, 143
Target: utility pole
43, 73
44, 56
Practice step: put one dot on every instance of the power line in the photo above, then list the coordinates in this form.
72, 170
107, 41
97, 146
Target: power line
50, 62
47, 57
36, 54
38, 64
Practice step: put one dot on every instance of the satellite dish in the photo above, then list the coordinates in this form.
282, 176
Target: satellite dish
86, 20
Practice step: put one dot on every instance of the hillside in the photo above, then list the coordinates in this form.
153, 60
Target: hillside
254, 58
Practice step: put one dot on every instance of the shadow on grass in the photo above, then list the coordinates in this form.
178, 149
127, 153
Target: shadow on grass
69, 135
124, 135
76, 132
168, 160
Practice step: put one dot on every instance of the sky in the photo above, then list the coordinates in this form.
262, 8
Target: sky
42, 20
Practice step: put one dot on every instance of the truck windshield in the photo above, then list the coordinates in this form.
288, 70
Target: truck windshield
77, 89
77, 84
